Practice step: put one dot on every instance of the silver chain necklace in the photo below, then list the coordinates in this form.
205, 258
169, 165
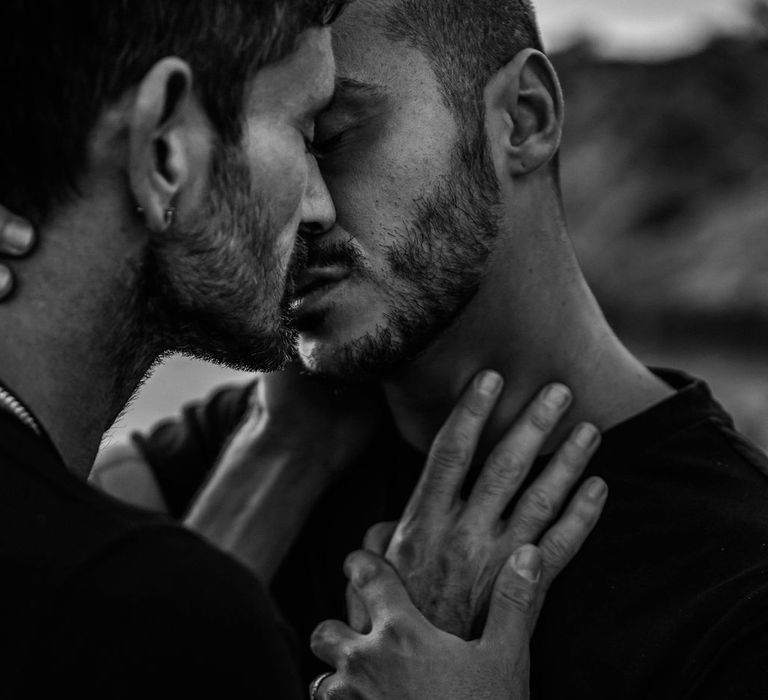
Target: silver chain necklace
9, 402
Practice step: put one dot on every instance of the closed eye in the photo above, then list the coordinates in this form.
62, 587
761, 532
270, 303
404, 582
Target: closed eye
313, 149
328, 145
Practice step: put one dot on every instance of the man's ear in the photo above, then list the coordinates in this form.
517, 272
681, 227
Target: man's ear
164, 143
524, 114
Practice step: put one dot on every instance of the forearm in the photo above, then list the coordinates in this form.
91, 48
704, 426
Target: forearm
258, 500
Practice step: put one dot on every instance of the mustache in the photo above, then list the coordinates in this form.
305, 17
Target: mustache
306, 256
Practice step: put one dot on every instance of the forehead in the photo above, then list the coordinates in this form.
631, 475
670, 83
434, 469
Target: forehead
303, 78
364, 53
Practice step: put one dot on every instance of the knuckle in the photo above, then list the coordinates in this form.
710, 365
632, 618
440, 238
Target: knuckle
557, 550
394, 633
542, 418
353, 661
378, 537
520, 597
341, 689
541, 504
585, 516
573, 457
320, 636
474, 409
447, 456
502, 471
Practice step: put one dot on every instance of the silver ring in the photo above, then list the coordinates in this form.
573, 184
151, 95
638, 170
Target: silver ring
314, 689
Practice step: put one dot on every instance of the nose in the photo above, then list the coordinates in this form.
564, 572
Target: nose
318, 213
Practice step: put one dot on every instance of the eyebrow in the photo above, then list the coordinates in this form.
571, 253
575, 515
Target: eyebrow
352, 87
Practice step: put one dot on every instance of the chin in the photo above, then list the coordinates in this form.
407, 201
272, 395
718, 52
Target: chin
372, 355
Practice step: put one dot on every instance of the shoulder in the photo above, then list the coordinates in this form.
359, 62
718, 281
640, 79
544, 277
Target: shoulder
731, 658
161, 607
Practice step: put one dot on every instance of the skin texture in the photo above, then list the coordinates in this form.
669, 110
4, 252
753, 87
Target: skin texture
85, 333
381, 159
450, 548
387, 632
384, 152
431, 664
296, 440
414, 136
527, 300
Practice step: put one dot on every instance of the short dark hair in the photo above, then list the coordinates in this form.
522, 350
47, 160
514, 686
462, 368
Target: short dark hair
466, 43
62, 62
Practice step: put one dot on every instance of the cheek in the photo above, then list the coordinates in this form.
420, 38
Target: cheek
383, 177
375, 198
279, 170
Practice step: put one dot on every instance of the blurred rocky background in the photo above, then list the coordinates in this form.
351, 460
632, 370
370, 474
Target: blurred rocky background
665, 171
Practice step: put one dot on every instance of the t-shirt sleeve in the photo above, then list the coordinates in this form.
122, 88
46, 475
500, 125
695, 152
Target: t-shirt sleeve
182, 451
163, 614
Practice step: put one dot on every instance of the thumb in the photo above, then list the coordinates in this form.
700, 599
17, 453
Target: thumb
513, 603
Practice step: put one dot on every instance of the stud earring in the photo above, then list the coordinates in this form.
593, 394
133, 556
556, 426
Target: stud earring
170, 215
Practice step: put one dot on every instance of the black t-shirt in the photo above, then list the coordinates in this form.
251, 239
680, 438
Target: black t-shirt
667, 599
100, 600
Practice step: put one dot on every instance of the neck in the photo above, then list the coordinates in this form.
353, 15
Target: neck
558, 333
68, 347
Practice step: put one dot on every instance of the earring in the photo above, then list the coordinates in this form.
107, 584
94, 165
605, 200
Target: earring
170, 215
168, 219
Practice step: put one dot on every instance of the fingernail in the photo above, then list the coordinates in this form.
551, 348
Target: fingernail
19, 236
5, 280
597, 490
490, 383
527, 563
557, 396
586, 436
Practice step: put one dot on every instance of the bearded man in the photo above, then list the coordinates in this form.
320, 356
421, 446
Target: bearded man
168, 204
451, 253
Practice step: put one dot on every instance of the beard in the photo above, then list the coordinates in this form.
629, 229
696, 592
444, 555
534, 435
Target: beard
215, 288
435, 269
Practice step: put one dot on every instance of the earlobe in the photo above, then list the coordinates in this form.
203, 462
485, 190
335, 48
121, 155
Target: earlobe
161, 139
524, 115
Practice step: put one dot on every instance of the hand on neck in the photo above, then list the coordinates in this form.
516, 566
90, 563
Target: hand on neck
534, 329
63, 330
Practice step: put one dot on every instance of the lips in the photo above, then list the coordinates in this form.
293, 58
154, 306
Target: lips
314, 279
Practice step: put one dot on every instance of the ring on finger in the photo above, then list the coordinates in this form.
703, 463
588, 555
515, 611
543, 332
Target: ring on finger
314, 689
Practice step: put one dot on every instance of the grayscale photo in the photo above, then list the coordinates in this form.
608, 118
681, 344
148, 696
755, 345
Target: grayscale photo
384, 349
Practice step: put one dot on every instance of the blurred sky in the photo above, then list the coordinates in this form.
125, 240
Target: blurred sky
639, 27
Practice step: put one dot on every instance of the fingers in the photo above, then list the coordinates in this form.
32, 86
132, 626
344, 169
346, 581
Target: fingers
376, 540
379, 589
542, 502
332, 642
378, 537
514, 598
17, 237
6, 282
562, 541
454, 446
509, 463
357, 615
